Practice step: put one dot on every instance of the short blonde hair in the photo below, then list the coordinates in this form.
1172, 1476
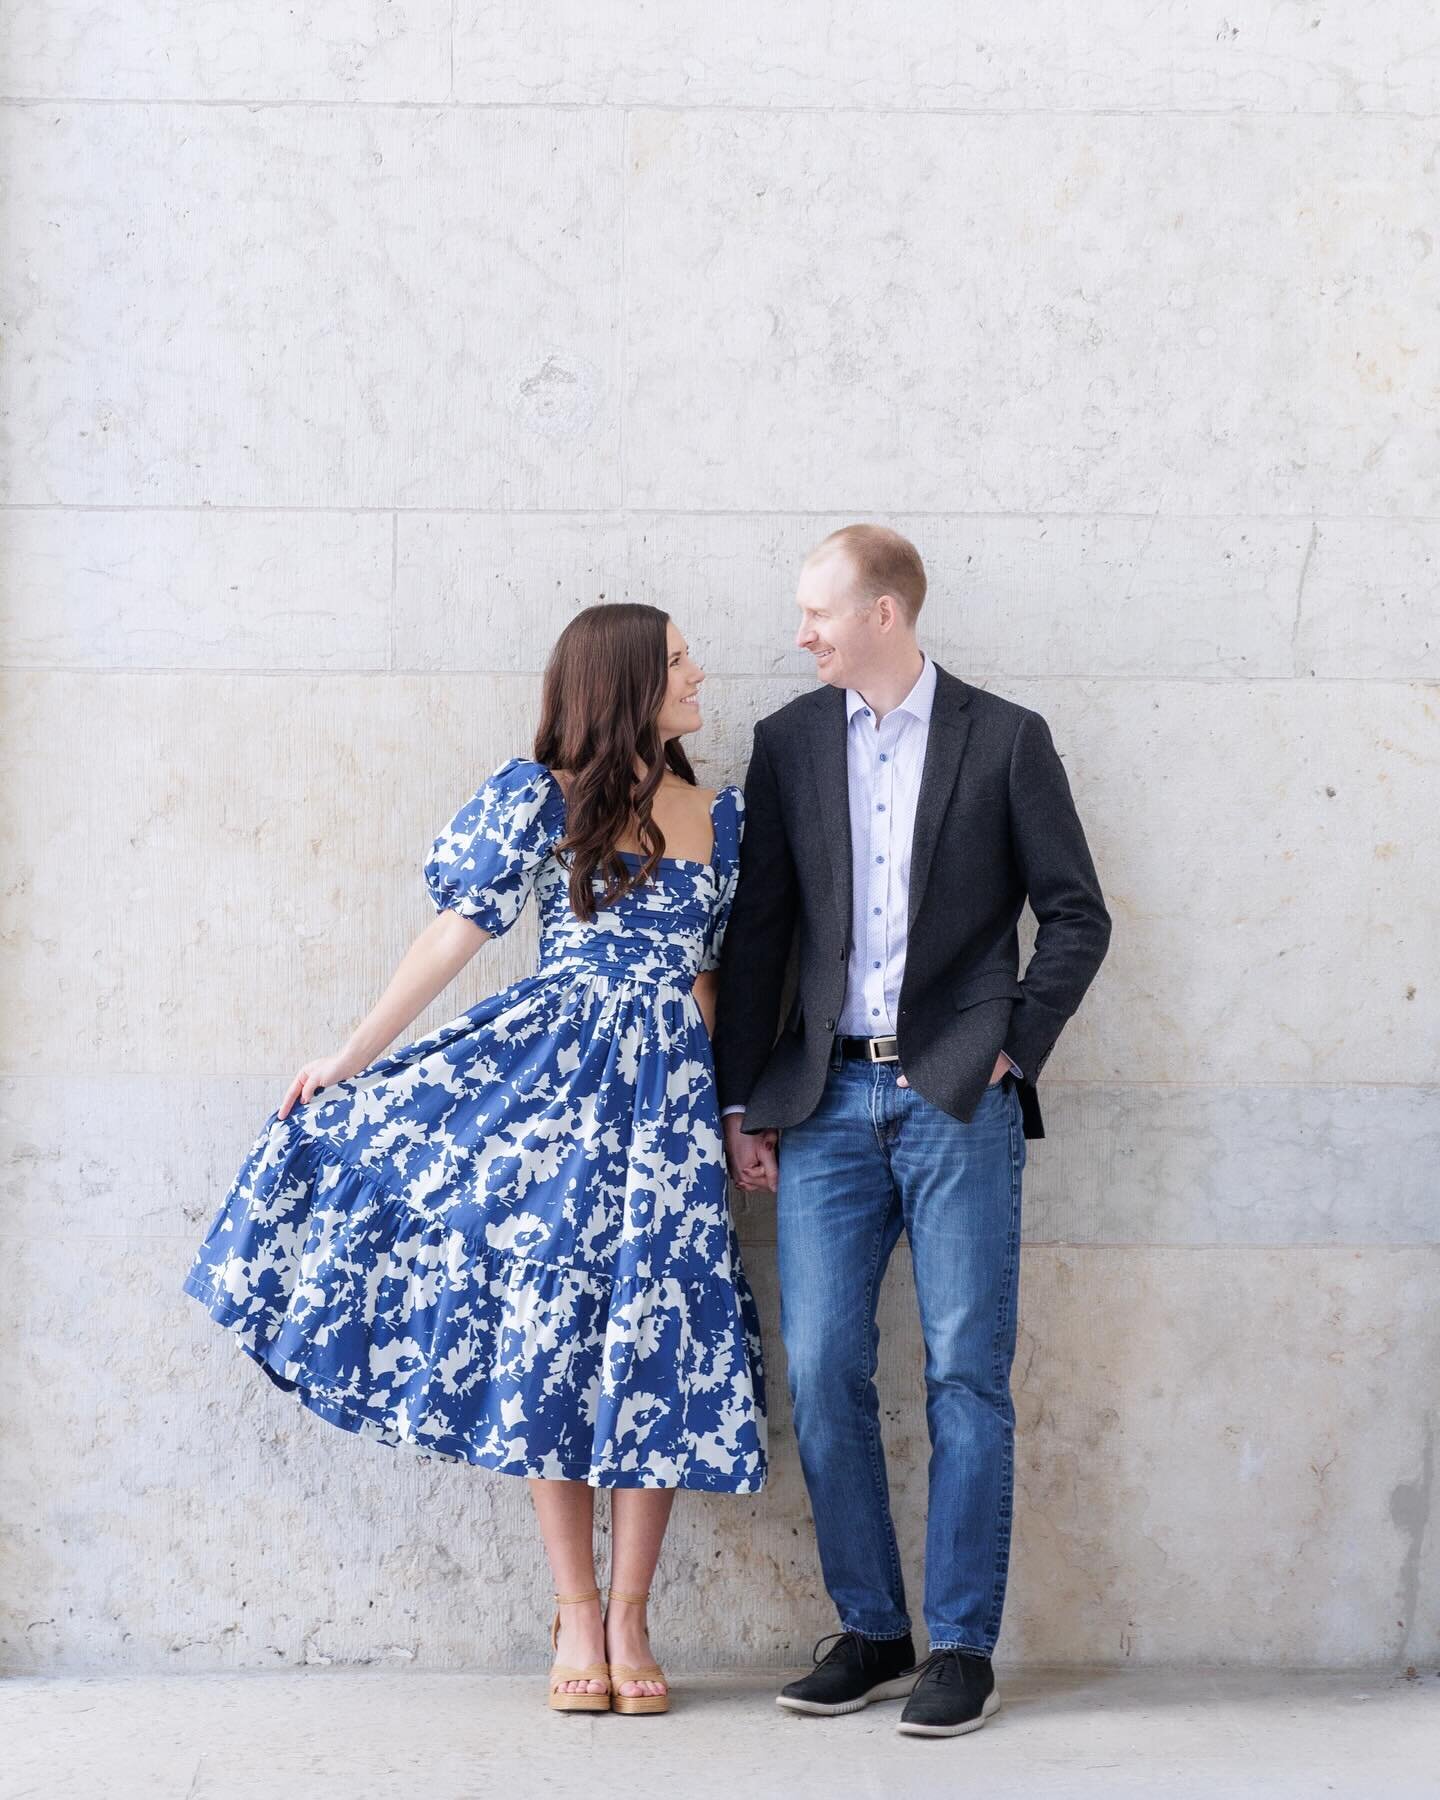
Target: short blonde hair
881, 561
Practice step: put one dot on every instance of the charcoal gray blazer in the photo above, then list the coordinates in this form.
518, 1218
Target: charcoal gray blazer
995, 826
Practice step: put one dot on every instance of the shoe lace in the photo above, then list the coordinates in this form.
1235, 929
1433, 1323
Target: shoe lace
941, 1666
837, 1641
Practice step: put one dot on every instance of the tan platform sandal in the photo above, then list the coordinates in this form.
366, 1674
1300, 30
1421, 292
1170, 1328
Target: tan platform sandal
580, 1702
620, 1672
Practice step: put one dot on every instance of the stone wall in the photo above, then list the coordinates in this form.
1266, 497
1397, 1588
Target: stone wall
348, 350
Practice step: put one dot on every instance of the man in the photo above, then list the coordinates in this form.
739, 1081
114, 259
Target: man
897, 821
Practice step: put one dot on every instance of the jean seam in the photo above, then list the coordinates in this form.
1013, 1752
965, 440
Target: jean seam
874, 1447
1007, 1473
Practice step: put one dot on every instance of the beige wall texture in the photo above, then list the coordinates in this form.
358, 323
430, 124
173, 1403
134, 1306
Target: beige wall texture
348, 349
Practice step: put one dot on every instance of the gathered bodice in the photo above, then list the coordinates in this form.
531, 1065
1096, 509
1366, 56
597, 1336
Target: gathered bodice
656, 932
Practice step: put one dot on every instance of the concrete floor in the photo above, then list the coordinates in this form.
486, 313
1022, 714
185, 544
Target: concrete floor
1060, 1735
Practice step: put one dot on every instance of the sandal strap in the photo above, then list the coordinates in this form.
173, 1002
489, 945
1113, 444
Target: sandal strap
629, 1599
568, 1600
631, 1672
594, 1672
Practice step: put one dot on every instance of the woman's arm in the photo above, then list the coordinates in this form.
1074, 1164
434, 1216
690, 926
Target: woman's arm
428, 967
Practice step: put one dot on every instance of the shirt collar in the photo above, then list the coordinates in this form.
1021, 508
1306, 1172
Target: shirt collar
919, 702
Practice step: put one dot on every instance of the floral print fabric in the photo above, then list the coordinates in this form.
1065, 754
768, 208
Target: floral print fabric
509, 1242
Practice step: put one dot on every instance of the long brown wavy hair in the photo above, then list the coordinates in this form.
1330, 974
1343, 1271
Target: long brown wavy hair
605, 684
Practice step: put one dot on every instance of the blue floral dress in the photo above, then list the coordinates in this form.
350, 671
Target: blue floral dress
509, 1242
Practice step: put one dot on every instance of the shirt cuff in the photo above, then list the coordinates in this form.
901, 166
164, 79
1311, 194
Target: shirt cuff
1015, 1069
725, 1111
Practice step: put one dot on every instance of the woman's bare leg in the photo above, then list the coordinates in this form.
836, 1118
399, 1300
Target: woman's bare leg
566, 1512
638, 1517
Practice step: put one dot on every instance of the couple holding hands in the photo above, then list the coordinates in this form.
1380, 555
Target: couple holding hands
509, 1242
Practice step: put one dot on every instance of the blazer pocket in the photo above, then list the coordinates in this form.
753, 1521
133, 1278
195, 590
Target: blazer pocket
995, 986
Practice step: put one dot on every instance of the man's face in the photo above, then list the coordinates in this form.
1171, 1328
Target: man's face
836, 635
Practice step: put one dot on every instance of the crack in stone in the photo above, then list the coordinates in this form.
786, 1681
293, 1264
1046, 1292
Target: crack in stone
1299, 596
1410, 1510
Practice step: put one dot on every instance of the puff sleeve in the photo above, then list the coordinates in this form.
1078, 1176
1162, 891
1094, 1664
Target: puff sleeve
484, 863
729, 826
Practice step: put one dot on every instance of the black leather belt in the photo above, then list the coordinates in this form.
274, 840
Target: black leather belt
875, 1050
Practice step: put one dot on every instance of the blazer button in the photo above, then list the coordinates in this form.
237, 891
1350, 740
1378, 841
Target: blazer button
829, 1024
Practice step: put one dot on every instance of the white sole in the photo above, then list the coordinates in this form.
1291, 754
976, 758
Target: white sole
884, 1690
992, 1705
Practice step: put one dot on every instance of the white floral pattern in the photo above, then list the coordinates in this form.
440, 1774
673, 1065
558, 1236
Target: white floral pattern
509, 1242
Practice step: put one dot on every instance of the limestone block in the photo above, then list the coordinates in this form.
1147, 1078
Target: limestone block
313, 306
1120, 54
1206, 315
221, 872
1254, 1163
239, 590
265, 50
1371, 605
493, 591
1226, 1455
1273, 900
1031, 596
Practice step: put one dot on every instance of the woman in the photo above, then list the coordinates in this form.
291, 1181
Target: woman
509, 1242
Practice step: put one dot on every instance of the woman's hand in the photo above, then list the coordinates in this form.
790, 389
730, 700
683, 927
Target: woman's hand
428, 967
322, 1072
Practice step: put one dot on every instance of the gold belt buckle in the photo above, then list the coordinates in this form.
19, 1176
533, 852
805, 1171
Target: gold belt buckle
873, 1050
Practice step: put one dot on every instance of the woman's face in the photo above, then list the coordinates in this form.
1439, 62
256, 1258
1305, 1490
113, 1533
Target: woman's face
681, 710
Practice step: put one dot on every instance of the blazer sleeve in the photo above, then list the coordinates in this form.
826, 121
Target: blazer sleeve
1064, 894
758, 937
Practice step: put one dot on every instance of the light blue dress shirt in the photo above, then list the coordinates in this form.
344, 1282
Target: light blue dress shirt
884, 762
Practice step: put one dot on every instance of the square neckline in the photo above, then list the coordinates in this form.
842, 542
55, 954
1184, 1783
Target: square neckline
683, 862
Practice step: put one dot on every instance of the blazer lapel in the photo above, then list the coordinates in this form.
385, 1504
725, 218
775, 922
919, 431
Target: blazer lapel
949, 728
829, 764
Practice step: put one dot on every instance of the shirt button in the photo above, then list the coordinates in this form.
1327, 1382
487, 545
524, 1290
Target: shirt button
874, 1012
877, 912
879, 859
883, 757
877, 965
881, 807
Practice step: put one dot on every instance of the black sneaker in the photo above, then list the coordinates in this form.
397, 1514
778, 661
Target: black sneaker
954, 1692
852, 1673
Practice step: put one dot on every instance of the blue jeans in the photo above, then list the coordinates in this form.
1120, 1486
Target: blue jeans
874, 1158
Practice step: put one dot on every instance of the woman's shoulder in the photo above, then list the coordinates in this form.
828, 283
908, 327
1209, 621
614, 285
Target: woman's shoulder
523, 775
724, 802
519, 792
